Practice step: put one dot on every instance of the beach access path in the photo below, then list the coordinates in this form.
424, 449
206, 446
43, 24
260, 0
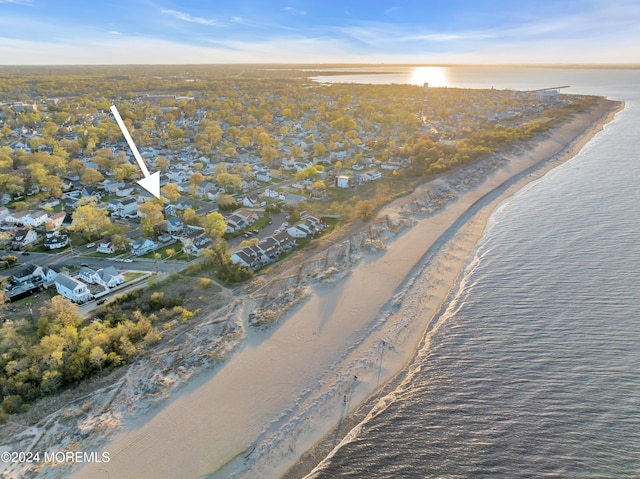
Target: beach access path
289, 385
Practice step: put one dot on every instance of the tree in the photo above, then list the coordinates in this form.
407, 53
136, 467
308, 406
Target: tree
226, 201
214, 225
190, 217
125, 171
195, 180
119, 242
364, 209
11, 184
319, 149
152, 218
170, 191
91, 177
59, 313
229, 182
9, 260
90, 221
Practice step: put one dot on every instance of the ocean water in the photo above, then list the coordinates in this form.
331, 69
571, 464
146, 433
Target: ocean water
532, 369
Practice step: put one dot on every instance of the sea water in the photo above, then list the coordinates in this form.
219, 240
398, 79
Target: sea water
534, 368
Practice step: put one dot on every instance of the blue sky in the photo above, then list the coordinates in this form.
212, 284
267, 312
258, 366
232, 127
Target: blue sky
299, 31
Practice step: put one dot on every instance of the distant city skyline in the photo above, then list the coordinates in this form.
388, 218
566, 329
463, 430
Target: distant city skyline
41, 32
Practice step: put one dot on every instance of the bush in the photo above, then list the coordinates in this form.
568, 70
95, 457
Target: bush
205, 283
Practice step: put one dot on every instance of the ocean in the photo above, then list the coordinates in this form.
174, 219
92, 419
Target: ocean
532, 367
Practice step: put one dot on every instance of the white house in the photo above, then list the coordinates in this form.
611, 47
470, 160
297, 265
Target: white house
88, 275
35, 218
56, 241
105, 245
296, 232
127, 207
57, 219
342, 181
110, 277
72, 289
48, 275
143, 246
23, 238
263, 175
15, 217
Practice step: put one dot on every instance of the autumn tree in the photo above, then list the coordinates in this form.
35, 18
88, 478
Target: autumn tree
195, 180
91, 177
226, 201
90, 221
152, 218
170, 191
214, 225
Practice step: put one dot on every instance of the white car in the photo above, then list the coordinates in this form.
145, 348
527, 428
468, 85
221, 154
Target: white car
90, 245
127, 260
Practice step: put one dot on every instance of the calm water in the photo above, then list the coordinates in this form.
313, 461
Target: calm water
533, 370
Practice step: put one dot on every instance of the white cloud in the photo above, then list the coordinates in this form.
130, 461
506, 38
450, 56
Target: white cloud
294, 11
113, 32
391, 10
190, 18
18, 2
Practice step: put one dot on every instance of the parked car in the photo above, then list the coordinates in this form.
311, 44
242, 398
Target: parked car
84, 265
127, 260
25, 253
90, 245
101, 301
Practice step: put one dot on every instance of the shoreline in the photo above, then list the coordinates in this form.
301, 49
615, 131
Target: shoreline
250, 419
464, 239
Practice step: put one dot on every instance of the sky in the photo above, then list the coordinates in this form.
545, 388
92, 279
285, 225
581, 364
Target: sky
45, 32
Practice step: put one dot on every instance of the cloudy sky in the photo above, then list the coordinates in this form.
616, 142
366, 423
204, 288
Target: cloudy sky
329, 31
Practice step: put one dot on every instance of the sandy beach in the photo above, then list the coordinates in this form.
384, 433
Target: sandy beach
290, 385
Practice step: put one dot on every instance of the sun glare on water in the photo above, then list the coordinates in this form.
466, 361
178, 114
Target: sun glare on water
434, 76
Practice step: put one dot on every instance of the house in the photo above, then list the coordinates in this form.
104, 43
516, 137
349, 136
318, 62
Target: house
48, 275
56, 219
371, 176
72, 289
127, 207
56, 241
248, 216
23, 238
196, 245
297, 232
183, 204
249, 201
88, 275
88, 191
263, 175
286, 241
29, 273
35, 219
105, 245
245, 259
143, 246
110, 277
15, 217
173, 225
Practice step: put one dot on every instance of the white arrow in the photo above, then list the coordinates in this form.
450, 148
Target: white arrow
151, 183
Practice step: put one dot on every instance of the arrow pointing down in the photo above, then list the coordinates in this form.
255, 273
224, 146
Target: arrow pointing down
151, 183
